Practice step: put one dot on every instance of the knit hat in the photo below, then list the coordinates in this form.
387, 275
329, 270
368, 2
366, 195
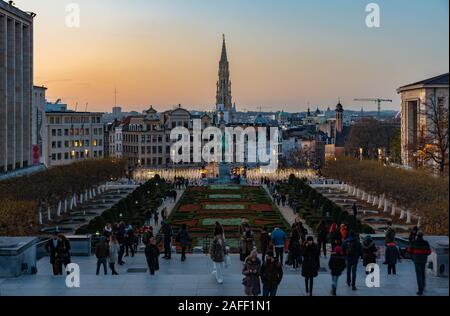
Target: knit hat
338, 250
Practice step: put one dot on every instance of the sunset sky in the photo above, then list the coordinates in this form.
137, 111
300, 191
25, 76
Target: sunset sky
283, 54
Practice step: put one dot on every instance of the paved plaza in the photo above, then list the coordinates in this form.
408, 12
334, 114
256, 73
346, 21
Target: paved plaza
194, 278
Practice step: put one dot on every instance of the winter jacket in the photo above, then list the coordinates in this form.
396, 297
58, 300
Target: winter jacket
278, 237
352, 249
102, 250
336, 264
113, 252
419, 250
392, 254
217, 250
311, 261
252, 272
390, 235
322, 233
152, 254
265, 240
183, 238
271, 274
369, 252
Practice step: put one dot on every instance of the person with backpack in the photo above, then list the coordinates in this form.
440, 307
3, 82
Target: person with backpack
102, 254
369, 252
184, 239
420, 250
152, 255
392, 255
322, 233
311, 263
336, 266
271, 275
351, 248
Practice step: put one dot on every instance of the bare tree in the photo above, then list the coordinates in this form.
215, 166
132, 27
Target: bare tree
433, 141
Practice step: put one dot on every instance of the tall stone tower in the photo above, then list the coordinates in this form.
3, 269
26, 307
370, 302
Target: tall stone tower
339, 117
224, 106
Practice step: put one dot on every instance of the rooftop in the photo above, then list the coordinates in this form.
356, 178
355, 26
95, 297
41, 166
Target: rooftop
438, 81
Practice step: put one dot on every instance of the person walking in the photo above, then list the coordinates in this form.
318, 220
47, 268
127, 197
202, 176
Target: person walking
336, 266
322, 233
413, 234
264, 239
218, 229
62, 254
107, 230
420, 250
369, 252
334, 236
283, 199
248, 241
156, 217
167, 237
392, 255
311, 263
120, 234
163, 214
355, 210
52, 247
152, 255
242, 229
389, 234
278, 241
113, 254
217, 254
351, 248
148, 217
271, 274
343, 232
252, 272
102, 254
295, 253
184, 239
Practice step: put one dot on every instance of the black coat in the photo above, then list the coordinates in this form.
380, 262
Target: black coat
336, 264
311, 261
51, 249
369, 252
152, 255
392, 254
271, 274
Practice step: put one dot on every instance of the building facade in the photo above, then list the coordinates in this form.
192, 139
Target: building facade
37, 121
16, 87
72, 136
417, 101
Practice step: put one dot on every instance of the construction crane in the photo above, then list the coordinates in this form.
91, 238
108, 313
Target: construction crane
378, 101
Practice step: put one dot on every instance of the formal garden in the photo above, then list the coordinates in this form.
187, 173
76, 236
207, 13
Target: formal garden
424, 194
22, 197
201, 207
313, 207
132, 208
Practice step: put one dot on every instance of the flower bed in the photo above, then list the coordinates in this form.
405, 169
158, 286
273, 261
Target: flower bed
200, 207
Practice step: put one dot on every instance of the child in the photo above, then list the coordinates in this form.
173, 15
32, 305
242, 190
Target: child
392, 254
336, 265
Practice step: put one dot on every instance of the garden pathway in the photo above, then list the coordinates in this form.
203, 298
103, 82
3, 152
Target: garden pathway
169, 205
288, 213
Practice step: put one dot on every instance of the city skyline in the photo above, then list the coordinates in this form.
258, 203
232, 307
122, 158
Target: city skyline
281, 57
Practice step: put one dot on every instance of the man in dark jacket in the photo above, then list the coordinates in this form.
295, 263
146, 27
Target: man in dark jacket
167, 234
184, 239
420, 250
271, 275
52, 247
102, 254
352, 250
152, 254
336, 265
